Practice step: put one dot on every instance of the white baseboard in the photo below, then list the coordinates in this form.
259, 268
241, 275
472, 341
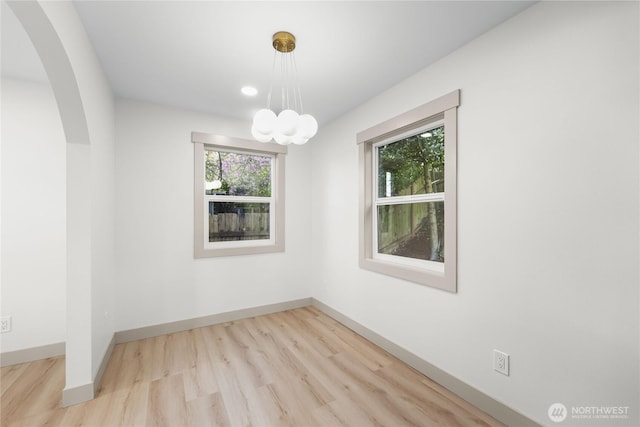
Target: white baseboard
478, 399
198, 322
84, 392
58, 349
30, 354
72, 395
77, 394
103, 364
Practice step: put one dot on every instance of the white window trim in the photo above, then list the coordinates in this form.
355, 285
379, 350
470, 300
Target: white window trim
441, 109
203, 248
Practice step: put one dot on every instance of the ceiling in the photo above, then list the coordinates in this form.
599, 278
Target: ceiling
198, 54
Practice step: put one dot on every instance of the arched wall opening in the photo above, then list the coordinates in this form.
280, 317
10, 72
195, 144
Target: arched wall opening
85, 104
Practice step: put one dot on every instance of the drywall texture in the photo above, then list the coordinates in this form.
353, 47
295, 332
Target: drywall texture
159, 280
548, 219
33, 216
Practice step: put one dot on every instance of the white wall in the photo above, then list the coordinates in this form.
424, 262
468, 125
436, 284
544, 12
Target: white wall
99, 161
85, 103
158, 279
33, 216
99, 107
548, 218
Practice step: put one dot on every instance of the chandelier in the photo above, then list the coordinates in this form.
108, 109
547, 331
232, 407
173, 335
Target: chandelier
289, 126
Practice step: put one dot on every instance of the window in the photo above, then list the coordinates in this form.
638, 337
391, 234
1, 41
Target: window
408, 195
239, 196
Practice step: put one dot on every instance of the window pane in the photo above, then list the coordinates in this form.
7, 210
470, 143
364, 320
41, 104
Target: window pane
238, 221
413, 230
413, 165
237, 174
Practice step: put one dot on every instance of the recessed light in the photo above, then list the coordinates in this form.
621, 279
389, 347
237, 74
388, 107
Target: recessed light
249, 91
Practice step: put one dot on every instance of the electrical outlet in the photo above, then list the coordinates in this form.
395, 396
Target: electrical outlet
501, 362
5, 324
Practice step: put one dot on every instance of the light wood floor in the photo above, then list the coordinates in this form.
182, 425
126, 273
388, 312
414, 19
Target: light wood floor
295, 368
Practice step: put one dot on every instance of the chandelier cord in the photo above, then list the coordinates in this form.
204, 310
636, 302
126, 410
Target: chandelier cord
288, 126
283, 84
296, 88
273, 73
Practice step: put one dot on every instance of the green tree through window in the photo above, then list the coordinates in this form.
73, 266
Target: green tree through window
238, 174
409, 167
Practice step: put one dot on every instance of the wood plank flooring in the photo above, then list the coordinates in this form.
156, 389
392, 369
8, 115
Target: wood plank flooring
295, 368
